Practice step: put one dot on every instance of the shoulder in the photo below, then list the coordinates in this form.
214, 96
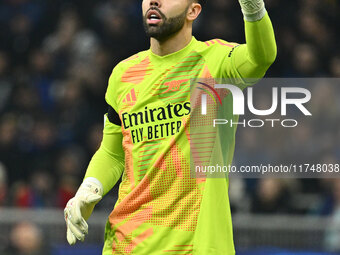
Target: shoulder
220, 43
130, 61
215, 45
121, 73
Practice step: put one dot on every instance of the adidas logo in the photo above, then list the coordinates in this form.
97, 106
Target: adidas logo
131, 97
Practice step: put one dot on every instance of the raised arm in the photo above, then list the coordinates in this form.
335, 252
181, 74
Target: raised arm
252, 59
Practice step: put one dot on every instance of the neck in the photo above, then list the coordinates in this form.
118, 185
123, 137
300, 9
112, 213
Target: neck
172, 44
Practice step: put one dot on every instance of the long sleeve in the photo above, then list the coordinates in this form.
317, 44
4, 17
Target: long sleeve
107, 164
251, 60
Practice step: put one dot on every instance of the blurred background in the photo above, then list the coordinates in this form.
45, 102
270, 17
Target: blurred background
55, 60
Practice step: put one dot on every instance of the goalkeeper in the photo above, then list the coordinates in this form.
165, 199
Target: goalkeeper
160, 209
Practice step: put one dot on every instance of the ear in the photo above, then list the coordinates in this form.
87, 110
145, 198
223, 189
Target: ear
193, 11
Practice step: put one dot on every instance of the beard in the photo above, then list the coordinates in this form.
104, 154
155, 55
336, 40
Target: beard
167, 28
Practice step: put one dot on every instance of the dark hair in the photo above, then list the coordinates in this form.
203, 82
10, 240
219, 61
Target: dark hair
202, 2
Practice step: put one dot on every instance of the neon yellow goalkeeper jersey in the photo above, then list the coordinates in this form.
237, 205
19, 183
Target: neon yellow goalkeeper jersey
160, 208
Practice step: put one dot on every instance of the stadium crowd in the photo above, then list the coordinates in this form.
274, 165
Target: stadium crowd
55, 60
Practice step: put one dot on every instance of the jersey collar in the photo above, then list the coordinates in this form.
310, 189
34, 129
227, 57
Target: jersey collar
173, 57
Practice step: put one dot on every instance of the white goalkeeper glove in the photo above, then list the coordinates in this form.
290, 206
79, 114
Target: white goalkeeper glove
252, 10
80, 207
